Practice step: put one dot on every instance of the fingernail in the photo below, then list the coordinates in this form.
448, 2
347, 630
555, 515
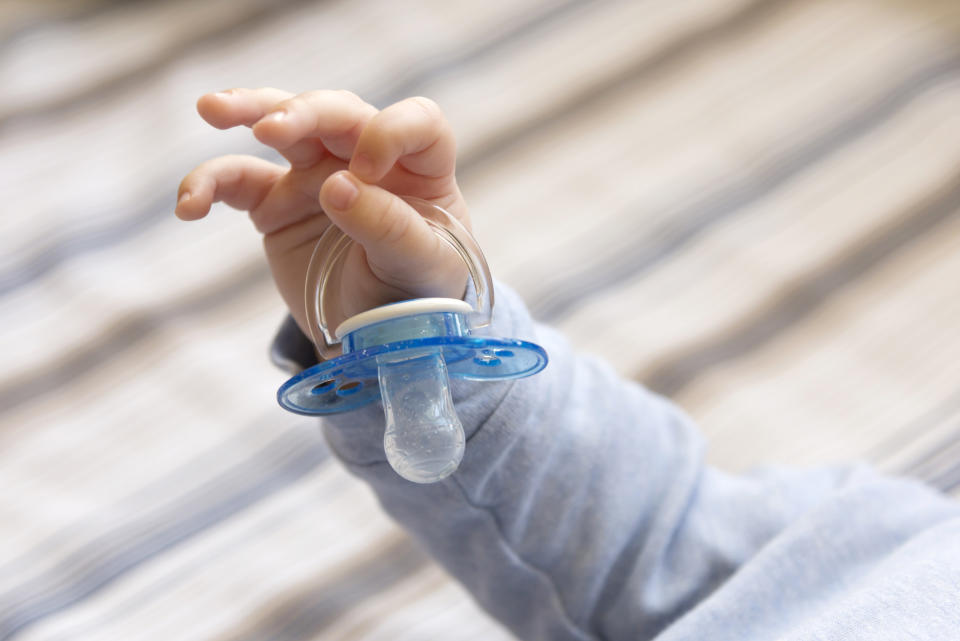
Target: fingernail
276, 116
361, 165
342, 192
184, 197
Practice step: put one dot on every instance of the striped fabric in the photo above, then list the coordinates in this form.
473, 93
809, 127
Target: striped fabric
751, 206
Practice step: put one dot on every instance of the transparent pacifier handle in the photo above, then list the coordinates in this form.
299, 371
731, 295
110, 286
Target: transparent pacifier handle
424, 439
333, 245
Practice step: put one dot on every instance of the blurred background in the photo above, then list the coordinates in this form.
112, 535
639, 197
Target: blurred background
752, 206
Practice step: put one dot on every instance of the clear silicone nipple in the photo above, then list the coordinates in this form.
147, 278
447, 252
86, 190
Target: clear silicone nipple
424, 439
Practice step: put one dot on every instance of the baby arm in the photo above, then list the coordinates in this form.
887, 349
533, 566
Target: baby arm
582, 508
567, 511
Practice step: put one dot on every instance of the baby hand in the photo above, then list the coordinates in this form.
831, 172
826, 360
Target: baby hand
349, 165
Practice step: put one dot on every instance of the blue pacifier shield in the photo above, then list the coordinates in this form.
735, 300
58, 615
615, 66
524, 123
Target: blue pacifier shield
350, 381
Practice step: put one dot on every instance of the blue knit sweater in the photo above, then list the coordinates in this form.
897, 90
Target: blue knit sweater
583, 509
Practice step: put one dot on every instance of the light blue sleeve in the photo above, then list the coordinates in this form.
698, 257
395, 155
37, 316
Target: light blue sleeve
583, 510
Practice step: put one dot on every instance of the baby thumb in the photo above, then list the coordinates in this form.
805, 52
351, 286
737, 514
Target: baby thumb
401, 248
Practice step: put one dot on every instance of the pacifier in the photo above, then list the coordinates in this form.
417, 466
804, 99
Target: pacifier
404, 353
